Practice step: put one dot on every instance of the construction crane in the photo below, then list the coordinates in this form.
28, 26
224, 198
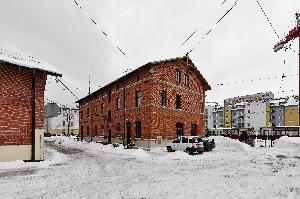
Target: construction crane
293, 34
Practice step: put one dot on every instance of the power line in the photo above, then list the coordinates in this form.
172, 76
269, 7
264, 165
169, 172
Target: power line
58, 80
282, 77
215, 25
202, 24
103, 32
261, 8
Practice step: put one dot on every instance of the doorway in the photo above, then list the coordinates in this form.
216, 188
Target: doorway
109, 136
128, 130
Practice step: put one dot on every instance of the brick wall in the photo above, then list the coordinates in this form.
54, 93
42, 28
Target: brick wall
155, 119
15, 104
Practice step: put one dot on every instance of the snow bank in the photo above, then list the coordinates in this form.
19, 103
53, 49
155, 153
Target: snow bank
97, 148
51, 157
222, 144
227, 144
288, 143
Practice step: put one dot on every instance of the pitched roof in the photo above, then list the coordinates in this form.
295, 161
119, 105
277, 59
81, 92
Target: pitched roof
27, 61
183, 59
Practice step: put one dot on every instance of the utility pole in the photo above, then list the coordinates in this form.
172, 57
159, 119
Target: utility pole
293, 34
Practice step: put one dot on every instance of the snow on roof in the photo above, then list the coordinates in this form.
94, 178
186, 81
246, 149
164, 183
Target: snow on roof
291, 102
28, 61
276, 102
241, 104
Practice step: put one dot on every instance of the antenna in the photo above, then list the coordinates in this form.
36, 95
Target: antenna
89, 75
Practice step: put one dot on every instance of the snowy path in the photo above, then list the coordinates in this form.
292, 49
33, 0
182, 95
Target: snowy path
226, 172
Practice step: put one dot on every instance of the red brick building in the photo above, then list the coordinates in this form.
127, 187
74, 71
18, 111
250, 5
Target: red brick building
162, 99
22, 85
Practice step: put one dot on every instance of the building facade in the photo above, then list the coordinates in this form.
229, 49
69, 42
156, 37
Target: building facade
22, 88
209, 117
61, 120
284, 112
250, 112
152, 104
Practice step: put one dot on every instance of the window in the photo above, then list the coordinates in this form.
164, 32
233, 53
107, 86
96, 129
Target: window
248, 111
64, 123
138, 98
185, 140
177, 76
186, 80
102, 108
118, 130
87, 130
194, 130
109, 116
88, 112
109, 96
72, 124
179, 129
178, 102
95, 110
118, 103
138, 129
163, 96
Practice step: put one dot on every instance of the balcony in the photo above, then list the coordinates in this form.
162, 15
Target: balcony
240, 121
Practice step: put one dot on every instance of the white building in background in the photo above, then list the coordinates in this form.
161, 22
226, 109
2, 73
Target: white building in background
61, 120
256, 115
209, 119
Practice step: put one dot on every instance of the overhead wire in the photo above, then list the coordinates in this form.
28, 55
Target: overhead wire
214, 26
104, 33
268, 19
198, 28
59, 80
283, 76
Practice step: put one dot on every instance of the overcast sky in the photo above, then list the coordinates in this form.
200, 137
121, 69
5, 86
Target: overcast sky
239, 49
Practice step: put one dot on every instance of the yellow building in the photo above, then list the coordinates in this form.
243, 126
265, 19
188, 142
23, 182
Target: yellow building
268, 116
291, 116
227, 117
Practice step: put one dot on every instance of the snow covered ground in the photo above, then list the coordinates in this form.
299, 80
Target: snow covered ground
75, 169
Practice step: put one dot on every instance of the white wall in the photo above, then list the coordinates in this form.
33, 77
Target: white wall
257, 116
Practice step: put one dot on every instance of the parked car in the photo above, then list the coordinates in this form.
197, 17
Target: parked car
208, 144
189, 144
47, 134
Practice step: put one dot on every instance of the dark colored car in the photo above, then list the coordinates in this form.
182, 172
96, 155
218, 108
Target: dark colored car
208, 144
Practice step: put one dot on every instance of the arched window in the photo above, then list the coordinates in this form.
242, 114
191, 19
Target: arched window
178, 76
186, 80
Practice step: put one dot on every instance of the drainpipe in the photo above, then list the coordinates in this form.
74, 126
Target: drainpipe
124, 114
33, 115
